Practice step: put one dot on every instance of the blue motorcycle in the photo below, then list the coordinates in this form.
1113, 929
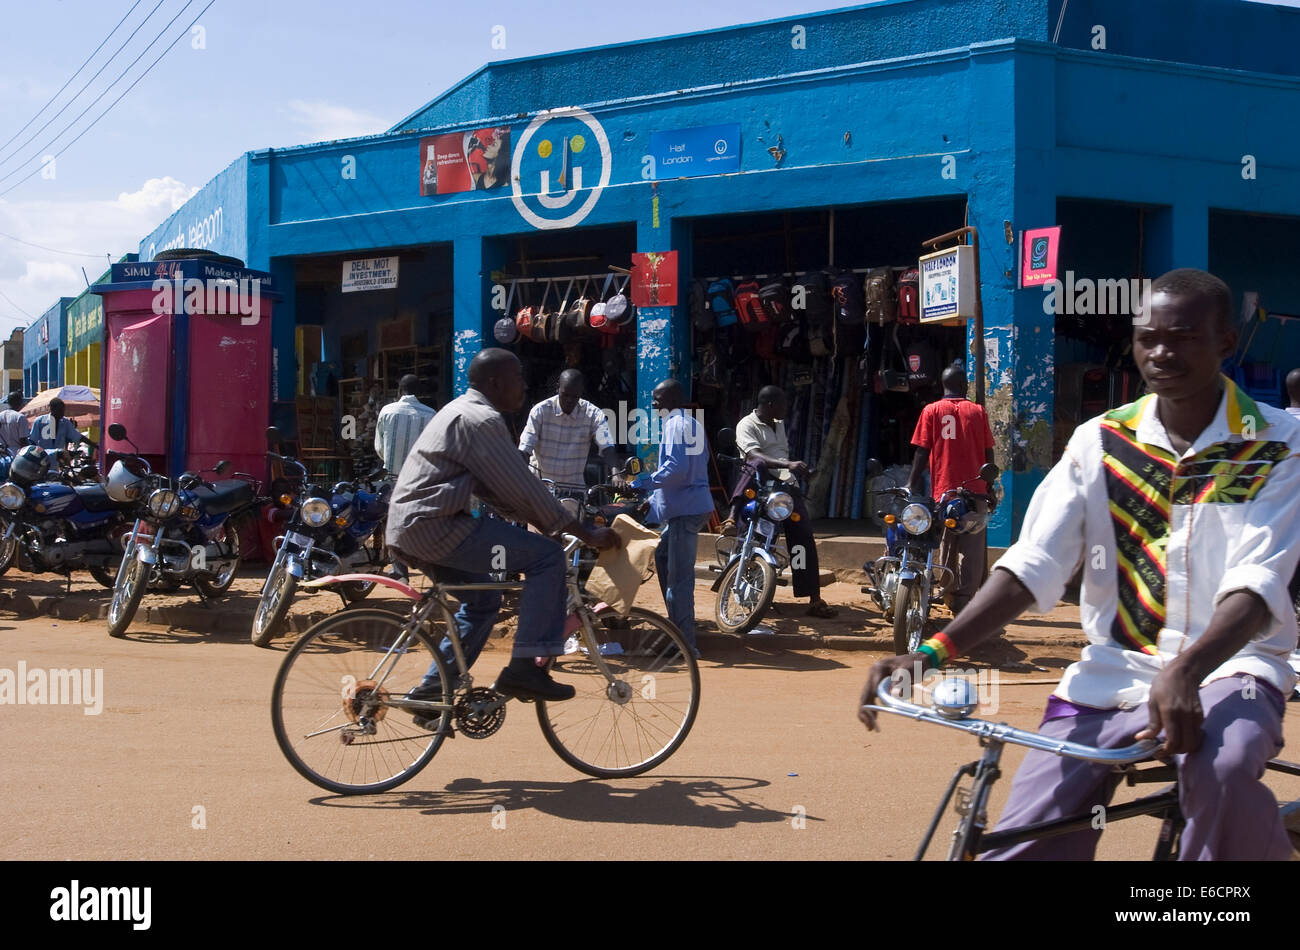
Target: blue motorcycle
186, 531
56, 526
327, 532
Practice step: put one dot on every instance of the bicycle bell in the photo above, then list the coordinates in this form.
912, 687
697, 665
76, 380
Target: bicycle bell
954, 698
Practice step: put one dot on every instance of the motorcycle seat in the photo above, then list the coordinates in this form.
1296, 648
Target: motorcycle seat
94, 497
227, 496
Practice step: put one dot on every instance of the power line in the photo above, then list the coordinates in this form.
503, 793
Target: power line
148, 69
15, 306
54, 250
73, 76
5, 160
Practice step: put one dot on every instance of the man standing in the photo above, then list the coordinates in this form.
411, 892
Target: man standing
14, 427
467, 450
559, 432
681, 503
1181, 509
400, 424
760, 438
954, 440
54, 431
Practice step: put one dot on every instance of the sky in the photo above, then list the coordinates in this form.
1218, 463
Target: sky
243, 74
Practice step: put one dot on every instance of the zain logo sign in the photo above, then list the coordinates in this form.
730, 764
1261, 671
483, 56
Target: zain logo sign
559, 168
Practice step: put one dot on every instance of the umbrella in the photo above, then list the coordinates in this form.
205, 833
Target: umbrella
80, 404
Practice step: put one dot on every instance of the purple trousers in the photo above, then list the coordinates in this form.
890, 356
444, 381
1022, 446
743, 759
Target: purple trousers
1231, 815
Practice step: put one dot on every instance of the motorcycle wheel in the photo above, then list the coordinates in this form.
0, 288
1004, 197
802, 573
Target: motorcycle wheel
733, 614
128, 590
214, 586
9, 554
103, 576
909, 618
273, 606
354, 591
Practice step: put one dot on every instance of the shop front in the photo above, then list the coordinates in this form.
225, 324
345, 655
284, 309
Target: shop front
43, 346
807, 151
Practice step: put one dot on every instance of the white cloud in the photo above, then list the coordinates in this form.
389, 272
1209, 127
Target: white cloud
34, 277
322, 121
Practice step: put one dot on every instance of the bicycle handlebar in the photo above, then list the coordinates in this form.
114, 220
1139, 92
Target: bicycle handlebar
1001, 732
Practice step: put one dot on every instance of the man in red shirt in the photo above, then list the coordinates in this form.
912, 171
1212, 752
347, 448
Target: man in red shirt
954, 439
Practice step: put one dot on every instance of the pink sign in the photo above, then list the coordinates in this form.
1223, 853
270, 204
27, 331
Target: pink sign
1038, 250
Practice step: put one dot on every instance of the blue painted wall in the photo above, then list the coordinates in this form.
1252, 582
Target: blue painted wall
43, 360
215, 219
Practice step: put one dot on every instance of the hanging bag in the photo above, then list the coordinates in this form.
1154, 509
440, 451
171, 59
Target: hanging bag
542, 319
524, 318
894, 379
774, 298
752, 317
597, 316
504, 330
846, 298
881, 299
561, 328
722, 301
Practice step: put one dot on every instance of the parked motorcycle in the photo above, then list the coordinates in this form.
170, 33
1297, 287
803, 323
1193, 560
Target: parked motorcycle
61, 524
327, 532
906, 580
750, 565
186, 530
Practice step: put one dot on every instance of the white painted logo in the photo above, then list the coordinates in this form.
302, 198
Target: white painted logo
570, 179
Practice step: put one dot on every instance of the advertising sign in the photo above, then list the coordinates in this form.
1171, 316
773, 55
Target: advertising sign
373, 273
1038, 252
704, 150
654, 279
948, 284
465, 161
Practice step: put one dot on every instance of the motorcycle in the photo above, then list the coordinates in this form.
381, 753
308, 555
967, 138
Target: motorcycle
906, 581
326, 533
58, 525
185, 531
750, 565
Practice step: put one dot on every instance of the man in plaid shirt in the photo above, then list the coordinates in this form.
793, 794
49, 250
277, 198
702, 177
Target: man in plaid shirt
558, 435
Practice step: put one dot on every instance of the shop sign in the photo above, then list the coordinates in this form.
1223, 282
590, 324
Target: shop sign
85, 325
948, 284
654, 279
704, 150
373, 273
560, 166
1038, 253
465, 161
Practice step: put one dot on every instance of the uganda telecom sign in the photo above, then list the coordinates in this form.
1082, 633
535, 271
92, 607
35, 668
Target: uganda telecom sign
560, 166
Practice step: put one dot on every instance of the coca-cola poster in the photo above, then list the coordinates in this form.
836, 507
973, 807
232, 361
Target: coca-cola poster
465, 161
654, 279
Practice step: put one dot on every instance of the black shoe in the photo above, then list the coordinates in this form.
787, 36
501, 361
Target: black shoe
426, 719
532, 684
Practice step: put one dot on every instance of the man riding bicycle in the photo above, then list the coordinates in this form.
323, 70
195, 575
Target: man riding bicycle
1181, 508
466, 450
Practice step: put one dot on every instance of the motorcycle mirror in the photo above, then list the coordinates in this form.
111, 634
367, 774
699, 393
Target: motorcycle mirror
117, 431
989, 472
875, 469
272, 437
632, 466
726, 440
221, 466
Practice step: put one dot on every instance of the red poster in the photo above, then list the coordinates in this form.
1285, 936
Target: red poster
1039, 249
654, 279
464, 161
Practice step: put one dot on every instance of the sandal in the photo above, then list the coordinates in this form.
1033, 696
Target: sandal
822, 609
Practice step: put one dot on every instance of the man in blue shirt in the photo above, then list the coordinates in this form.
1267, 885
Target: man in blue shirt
53, 431
681, 503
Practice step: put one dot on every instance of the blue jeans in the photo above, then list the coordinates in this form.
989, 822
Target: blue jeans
496, 545
675, 565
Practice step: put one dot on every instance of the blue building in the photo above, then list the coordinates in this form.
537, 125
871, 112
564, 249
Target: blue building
43, 349
1157, 135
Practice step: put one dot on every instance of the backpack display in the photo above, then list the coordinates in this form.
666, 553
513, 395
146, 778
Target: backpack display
701, 312
750, 308
922, 365
909, 296
774, 298
846, 298
817, 314
792, 342
881, 304
721, 301
524, 320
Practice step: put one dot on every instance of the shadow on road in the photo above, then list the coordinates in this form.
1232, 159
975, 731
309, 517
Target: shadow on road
754, 654
687, 801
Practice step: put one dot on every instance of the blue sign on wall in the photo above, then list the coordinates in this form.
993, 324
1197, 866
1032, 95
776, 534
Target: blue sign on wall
704, 150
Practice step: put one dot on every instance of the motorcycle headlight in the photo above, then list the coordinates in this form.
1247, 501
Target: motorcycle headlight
780, 505
315, 512
11, 496
916, 518
163, 503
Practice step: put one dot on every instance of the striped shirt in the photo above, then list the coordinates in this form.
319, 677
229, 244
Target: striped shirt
560, 443
399, 425
14, 428
465, 451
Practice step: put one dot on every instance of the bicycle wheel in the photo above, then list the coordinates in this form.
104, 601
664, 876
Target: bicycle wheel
631, 726
331, 716
743, 598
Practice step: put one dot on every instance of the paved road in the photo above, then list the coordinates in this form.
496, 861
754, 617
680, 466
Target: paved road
776, 767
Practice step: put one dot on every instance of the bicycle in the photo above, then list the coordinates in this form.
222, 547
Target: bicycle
954, 699
339, 704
